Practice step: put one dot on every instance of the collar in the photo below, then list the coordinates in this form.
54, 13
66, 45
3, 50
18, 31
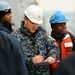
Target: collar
59, 39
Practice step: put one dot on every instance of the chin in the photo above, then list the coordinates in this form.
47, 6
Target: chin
32, 31
64, 33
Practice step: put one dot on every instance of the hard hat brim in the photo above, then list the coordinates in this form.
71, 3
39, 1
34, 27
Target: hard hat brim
36, 21
58, 21
62, 21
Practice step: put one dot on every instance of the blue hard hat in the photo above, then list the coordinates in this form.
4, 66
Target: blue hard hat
58, 17
4, 5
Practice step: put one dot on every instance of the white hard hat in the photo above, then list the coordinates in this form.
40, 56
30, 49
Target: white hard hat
35, 14
4, 5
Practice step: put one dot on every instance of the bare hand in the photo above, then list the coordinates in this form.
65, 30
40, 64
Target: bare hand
37, 59
50, 60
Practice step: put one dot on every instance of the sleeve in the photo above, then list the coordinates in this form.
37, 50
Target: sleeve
52, 49
19, 58
16, 53
73, 40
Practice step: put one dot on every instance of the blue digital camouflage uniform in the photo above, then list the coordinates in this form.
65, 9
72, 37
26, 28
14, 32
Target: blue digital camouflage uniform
38, 43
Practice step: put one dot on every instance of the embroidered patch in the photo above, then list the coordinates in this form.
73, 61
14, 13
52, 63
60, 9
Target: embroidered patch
68, 49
